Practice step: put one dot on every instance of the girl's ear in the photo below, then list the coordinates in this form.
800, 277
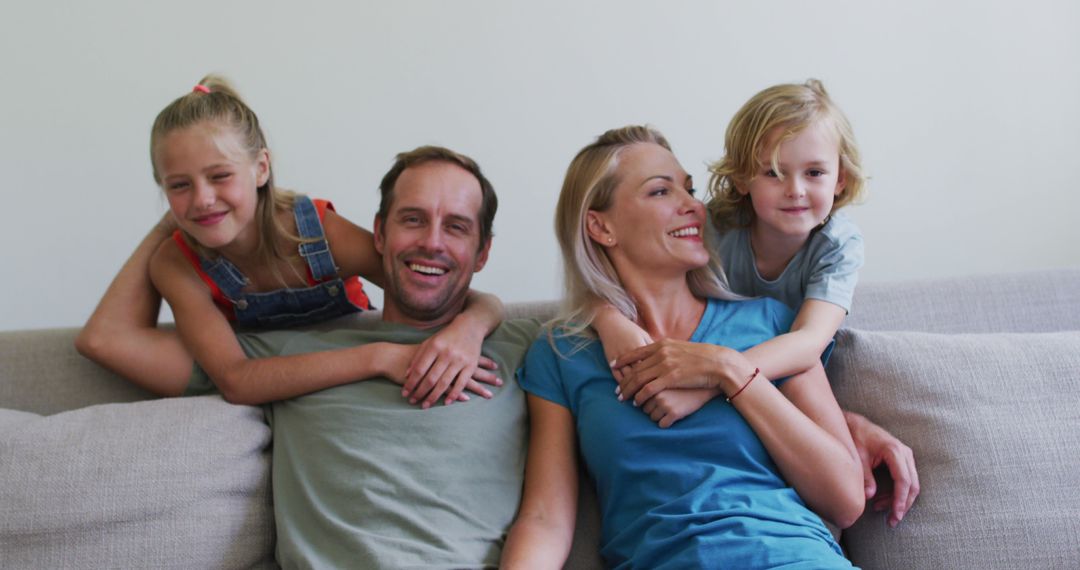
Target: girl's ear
262, 167
596, 224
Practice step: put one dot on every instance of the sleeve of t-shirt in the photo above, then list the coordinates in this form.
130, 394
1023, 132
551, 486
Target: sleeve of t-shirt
540, 375
835, 268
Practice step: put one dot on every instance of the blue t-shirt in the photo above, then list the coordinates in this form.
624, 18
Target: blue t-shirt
703, 493
826, 268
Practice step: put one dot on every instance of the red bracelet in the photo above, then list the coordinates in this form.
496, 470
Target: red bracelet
748, 381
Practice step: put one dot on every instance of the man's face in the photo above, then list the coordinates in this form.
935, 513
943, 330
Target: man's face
430, 243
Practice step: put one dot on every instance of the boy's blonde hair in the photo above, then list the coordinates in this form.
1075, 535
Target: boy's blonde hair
589, 275
790, 107
215, 101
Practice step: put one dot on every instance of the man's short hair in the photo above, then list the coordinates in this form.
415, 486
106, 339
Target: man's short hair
423, 154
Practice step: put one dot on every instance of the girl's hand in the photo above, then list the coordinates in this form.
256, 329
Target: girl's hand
680, 364
618, 335
399, 359
448, 362
670, 406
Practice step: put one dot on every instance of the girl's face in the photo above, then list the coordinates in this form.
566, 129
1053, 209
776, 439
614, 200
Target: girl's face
654, 223
210, 182
809, 163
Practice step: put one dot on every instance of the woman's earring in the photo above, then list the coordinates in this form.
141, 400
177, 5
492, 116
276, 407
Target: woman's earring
610, 241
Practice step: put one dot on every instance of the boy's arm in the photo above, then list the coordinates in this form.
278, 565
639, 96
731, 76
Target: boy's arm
801, 348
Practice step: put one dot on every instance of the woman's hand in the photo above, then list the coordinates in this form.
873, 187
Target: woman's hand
448, 362
670, 406
680, 364
399, 362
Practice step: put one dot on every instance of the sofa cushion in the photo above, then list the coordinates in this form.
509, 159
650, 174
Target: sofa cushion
174, 483
994, 422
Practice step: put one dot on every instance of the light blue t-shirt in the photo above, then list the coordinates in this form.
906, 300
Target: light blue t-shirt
826, 268
703, 493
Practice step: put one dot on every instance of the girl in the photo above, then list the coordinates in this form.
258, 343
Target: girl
733, 486
249, 254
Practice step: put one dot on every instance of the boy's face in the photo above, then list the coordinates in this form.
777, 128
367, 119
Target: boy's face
792, 202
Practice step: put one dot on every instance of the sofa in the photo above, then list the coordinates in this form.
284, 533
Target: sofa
980, 376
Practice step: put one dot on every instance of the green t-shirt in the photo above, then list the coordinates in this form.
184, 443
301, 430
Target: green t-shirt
363, 479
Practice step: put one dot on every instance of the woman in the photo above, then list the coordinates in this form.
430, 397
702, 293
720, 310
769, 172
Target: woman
736, 484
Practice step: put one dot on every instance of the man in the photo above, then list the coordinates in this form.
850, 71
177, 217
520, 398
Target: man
361, 477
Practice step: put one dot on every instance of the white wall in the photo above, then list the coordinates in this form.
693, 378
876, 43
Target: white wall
967, 114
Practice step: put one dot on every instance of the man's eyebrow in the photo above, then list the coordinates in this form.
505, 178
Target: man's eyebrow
408, 210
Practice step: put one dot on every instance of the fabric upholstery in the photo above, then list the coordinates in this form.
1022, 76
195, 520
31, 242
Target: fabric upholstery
994, 422
173, 483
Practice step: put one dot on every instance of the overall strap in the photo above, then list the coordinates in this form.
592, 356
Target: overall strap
221, 298
315, 250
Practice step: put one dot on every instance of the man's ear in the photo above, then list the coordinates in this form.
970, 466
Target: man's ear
378, 230
482, 256
598, 228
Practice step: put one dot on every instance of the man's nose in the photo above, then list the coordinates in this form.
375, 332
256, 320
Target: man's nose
432, 239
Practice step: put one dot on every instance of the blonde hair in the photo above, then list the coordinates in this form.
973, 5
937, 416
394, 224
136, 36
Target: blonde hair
790, 107
590, 278
215, 101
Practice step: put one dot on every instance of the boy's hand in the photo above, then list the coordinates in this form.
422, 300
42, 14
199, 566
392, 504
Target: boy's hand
618, 335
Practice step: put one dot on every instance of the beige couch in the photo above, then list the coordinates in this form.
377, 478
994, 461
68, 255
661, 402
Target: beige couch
980, 376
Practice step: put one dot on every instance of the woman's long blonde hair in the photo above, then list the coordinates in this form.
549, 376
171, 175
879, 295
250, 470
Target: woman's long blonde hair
791, 107
589, 276
215, 101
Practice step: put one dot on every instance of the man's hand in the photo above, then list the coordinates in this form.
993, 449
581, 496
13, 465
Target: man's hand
404, 364
670, 406
878, 447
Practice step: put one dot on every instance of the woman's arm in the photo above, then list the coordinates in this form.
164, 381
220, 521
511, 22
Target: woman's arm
803, 429
798, 350
543, 532
213, 344
122, 333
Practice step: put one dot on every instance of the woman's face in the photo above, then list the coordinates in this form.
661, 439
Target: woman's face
654, 225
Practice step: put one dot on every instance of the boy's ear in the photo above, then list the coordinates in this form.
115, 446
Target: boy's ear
841, 181
598, 228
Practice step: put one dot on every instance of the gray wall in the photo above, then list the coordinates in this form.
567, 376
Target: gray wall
967, 114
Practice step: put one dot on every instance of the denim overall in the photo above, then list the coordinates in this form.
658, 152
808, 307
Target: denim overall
288, 307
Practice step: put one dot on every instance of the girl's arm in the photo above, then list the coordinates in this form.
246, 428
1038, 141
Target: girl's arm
446, 362
800, 424
801, 348
213, 344
122, 333
543, 532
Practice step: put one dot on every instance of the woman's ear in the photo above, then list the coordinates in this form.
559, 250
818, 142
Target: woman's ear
596, 224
